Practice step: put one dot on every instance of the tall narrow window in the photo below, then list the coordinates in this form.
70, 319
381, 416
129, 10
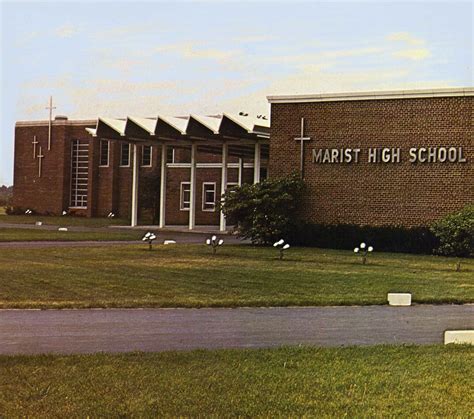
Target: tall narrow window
104, 152
209, 196
170, 156
125, 155
146, 155
79, 173
185, 196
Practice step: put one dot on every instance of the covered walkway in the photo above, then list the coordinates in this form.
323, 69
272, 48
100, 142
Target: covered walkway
229, 135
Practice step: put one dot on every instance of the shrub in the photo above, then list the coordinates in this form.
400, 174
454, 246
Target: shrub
383, 238
15, 210
263, 212
456, 233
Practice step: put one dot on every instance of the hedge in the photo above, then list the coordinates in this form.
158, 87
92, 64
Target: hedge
418, 240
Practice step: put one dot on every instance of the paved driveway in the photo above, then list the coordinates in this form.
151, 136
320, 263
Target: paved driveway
117, 330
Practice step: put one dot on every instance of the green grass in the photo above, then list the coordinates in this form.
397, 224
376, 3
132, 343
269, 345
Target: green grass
190, 276
21, 234
2, 211
61, 221
380, 381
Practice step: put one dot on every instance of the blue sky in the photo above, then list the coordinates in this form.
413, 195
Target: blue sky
130, 58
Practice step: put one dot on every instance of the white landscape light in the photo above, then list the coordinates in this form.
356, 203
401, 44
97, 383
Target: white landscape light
64, 212
214, 243
278, 243
364, 251
282, 247
149, 237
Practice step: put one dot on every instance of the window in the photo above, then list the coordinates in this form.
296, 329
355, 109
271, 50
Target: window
231, 185
104, 153
208, 196
125, 155
185, 196
79, 174
146, 155
170, 156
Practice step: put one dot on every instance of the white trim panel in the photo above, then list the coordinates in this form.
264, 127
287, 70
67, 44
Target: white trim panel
207, 165
376, 95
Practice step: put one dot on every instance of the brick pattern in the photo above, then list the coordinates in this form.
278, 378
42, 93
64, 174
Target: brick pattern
377, 193
109, 188
49, 193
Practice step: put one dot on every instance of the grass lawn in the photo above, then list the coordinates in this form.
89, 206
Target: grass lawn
190, 276
21, 234
380, 381
61, 221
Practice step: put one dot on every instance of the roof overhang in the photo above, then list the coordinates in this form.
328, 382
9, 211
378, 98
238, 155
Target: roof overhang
209, 132
376, 95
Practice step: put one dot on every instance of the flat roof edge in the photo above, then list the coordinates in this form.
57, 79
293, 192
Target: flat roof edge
374, 95
56, 122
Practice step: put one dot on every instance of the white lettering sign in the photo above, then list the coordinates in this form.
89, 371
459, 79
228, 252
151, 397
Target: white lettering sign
389, 155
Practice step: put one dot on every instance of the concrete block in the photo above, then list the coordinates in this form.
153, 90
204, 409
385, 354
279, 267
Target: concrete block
459, 336
62, 229
169, 242
399, 299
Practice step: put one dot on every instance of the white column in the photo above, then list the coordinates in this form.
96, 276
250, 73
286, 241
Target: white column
241, 171
192, 199
164, 152
256, 164
134, 216
225, 154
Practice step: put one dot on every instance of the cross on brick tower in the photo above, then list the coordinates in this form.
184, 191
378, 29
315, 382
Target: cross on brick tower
302, 139
50, 107
35, 143
40, 157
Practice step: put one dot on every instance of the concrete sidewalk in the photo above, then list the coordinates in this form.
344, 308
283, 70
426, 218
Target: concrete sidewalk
123, 330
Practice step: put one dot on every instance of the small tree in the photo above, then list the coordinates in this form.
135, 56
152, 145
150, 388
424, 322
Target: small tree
263, 212
456, 233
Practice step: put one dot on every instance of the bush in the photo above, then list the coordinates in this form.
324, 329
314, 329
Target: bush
346, 236
456, 233
15, 210
263, 212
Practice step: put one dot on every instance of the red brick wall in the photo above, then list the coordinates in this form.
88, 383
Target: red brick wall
109, 188
175, 216
377, 193
49, 193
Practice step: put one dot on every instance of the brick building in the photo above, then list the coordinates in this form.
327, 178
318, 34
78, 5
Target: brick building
90, 167
379, 158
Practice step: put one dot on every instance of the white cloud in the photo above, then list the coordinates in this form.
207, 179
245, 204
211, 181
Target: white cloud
65, 31
405, 37
352, 52
413, 53
190, 50
415, 48
250, 39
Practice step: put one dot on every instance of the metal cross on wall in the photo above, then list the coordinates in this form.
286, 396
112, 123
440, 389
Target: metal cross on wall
35, 143
40, 157
302, 139
50, 107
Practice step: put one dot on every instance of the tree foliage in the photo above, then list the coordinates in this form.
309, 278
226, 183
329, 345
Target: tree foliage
263, 212
456, 233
